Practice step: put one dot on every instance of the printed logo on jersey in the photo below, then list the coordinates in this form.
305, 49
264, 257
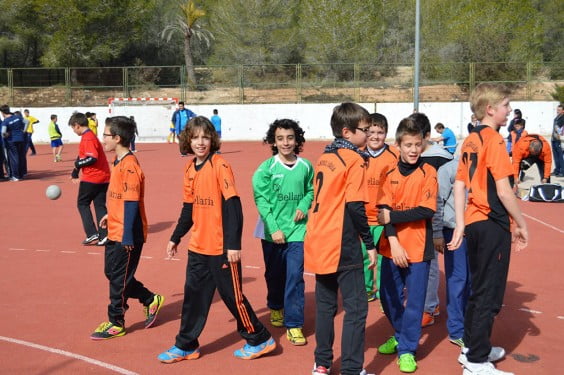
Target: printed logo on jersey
327, 163
114, 195
290, 197
203, 201
373, 181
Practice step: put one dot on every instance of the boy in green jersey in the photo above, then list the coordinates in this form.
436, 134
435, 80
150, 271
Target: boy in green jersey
283, 192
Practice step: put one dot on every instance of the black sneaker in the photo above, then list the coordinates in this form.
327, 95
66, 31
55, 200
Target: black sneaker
102, 242
90, 239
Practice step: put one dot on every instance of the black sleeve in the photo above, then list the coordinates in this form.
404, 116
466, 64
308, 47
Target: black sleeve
232, 223
74, 173
360, 222
184, 223
413, 214
81, 163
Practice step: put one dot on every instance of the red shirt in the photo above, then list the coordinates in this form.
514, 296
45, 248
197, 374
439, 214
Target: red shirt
99, 172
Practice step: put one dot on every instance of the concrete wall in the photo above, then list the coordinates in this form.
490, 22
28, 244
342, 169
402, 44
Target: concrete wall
250, 121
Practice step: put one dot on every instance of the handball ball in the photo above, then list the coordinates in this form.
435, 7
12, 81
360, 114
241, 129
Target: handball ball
53, 192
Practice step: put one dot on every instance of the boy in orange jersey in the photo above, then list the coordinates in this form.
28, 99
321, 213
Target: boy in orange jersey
406, 205
127, 231
332, 250
382, 158
212, 209
531, 149
484, 172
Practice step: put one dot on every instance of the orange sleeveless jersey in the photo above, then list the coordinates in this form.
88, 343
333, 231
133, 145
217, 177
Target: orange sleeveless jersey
483, 161
207, 189
375, 173
401, 192
331, 239
127, 183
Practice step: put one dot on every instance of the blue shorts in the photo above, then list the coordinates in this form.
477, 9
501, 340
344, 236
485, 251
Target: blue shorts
56, 142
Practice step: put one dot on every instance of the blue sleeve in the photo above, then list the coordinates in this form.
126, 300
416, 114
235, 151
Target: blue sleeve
131, 210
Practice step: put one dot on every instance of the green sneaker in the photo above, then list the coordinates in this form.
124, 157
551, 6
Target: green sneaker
277, 317
407, 363
153, 309
389, 347
107, 330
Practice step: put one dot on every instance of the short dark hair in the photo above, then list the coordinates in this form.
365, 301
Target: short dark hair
535, 147
215, 111
422, 121
284, 124
122, 126
192, 128
179, 103
408, 126
53, 117
347, 115
519, 121
439, 126
78, 118
5, 109
378, 119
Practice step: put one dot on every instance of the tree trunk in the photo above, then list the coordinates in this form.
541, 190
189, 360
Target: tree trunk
188, 61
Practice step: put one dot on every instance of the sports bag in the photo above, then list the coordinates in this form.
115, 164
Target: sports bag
545, 193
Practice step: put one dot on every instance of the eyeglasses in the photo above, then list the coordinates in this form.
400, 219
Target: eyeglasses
365, 130
107, 135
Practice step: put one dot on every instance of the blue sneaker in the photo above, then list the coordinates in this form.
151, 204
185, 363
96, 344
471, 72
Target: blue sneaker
252, 352
175, 354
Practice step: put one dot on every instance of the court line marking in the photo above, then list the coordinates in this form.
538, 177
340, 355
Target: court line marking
79, 357
530, 311
544, 223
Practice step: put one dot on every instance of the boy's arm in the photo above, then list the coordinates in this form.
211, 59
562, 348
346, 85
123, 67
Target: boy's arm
305, 204
262, 193
184, 223
547, 159
459, 190
505, 194
130, 212
233, 216
360, 222
412, 214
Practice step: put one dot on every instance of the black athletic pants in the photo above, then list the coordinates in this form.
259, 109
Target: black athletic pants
355, 304
120, 266
89, 192
205, 274
489, 247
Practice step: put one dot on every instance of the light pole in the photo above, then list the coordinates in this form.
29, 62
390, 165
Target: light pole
416, 65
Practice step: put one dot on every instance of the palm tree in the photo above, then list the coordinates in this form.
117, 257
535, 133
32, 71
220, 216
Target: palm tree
187, 24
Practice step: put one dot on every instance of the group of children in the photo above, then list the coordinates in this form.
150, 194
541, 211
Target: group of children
360, 197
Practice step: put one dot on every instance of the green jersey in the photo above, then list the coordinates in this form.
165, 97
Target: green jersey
279, 191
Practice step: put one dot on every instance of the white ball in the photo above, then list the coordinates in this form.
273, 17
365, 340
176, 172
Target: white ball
53, 192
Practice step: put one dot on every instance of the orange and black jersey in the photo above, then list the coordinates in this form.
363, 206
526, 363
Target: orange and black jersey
212, 208
127, 222
483, 161
337, 219
378, 166
521, 151
410, 192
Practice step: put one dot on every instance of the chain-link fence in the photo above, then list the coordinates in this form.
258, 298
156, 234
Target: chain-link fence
289, 83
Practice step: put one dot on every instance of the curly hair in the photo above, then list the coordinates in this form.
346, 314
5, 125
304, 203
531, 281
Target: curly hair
192, 128
270, 138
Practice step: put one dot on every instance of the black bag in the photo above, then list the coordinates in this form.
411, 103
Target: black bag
546, 193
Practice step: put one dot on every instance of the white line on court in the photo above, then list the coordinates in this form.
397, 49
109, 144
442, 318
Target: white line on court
94, 253
107, 366
530, 311
253, 267
68, 252
144, 257
43, 250
560, 317
14, 249
544, 223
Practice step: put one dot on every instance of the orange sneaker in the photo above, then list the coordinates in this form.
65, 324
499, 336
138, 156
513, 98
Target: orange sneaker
427, 320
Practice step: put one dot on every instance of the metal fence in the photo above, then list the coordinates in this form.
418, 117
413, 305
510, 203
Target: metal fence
291, 83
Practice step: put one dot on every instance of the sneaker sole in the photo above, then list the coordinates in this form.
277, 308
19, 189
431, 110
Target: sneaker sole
191, 356
276, 324
267, 349
297, 343
95, 338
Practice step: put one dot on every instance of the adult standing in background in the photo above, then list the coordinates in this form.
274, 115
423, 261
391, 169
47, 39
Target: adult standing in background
29, 132
180, 118
473, 123
13, 134
517, 115
216, 121
557, 132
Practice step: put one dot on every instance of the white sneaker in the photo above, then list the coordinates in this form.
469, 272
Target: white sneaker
496, 353
486, 368
320, 370
363, 372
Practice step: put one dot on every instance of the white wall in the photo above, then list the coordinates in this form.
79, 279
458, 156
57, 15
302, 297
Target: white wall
250, 121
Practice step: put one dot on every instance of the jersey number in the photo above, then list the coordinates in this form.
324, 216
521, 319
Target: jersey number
319, 182
471, 157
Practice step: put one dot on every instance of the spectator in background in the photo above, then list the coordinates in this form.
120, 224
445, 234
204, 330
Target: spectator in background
92, 122
447, 137
180, 118
13, 134
56, 142
557, 133
531, 149
516, 134
216, 121
29, 131
517, 115
473, 123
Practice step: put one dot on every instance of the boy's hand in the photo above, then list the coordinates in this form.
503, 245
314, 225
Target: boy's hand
457, 237
234, 256
75, 180
520, 238
372, 258
171, 249
278, 237
103, 222
128, 248
383, 216
439, 244
399, 256
299, 215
